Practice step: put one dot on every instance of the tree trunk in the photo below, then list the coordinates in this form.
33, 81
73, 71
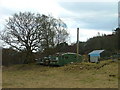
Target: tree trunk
29, 57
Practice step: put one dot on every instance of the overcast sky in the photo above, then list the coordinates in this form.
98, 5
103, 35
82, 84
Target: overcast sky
91, 17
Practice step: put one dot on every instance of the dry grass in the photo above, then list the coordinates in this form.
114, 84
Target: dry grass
77, 75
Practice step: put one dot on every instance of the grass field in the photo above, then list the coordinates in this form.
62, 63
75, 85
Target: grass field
77, 75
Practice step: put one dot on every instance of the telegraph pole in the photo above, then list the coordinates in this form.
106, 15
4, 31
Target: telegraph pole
77, 43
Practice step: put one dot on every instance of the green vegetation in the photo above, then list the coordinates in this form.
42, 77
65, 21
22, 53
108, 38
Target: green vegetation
76, 75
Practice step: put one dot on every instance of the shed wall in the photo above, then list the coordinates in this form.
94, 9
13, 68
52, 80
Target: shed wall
94, 58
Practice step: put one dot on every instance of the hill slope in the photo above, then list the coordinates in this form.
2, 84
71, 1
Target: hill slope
77, 75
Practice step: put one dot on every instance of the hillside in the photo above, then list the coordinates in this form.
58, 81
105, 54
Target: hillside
77, 75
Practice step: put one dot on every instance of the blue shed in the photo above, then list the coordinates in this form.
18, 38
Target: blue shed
94, 56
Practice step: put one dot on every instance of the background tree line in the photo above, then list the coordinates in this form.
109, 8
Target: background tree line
110, 43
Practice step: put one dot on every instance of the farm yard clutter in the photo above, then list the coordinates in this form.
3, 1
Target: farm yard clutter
60, 59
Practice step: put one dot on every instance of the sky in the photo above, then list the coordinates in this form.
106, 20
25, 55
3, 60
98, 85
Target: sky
90, 16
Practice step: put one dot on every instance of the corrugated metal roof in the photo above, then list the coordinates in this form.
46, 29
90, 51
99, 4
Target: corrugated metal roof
96, 52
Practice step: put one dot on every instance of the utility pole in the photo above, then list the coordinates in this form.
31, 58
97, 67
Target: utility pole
77, 43
118, 32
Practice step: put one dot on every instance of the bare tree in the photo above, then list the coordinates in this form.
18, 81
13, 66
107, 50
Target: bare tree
28, 32
61, 32
54, 31
23, 33
48, 33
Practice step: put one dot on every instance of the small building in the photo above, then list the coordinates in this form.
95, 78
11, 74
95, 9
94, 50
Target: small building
94, 56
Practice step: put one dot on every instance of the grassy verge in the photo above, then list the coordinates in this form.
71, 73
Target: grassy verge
77, 75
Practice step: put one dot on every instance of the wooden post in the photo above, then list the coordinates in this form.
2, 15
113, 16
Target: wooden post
77, 43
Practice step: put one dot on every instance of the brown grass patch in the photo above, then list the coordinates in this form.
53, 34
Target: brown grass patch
77, 75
